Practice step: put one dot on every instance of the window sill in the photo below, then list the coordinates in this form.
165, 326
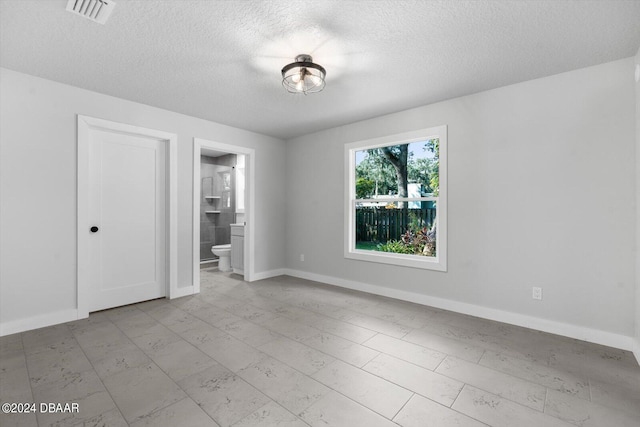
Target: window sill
413, 261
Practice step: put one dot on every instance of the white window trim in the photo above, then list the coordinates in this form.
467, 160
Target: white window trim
438, 262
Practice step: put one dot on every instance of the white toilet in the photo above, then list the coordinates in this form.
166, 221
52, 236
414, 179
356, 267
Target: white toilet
223, 252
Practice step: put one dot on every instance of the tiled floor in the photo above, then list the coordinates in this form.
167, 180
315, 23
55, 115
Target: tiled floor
289, 352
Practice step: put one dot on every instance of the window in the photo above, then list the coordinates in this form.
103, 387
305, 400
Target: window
396, 199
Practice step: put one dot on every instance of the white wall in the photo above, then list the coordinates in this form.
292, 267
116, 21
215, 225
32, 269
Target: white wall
38, 191
636, 348
541, 193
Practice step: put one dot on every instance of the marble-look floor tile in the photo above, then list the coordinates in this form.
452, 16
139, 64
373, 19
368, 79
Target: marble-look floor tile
184, 413
537, 373
45, 338
18, 420
297, 355
375, 393
11, 345
595, 367
406, 351
283, 384
142, 390
271, 414
153, 338
180, 359
112, 418
336, 327
518, 390
422, 381
250, 333
347, 351
420, 410
223, 395
277, 333
497, 411
586, 414
15, 384
49, 366
95, 406
174, 318
379, 325
231, 352
118, 359
70, 387
446, 345
619, 396
336, 410
294, 330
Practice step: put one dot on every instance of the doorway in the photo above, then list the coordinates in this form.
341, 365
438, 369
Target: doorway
202, 147
127, 233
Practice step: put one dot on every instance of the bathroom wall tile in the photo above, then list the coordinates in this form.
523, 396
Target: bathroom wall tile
419, 409
518, 390
497, 411
418, 355
283, 384
375, 393
422, 381
336, 410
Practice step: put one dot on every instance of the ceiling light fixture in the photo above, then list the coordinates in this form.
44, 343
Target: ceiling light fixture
303, 76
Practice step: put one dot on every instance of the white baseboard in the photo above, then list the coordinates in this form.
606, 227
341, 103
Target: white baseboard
268, 274
559, 328
35, 322
636, 349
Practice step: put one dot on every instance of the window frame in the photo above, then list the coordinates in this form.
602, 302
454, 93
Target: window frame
439, 262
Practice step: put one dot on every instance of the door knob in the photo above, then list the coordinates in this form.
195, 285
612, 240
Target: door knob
94, 229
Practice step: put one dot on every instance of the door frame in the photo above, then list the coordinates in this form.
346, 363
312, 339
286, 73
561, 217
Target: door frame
85, 125
200, 145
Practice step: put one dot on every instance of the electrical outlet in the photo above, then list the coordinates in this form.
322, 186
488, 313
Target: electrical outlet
302, 257
537, 293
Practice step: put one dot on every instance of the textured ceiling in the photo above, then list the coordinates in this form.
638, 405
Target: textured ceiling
221, 60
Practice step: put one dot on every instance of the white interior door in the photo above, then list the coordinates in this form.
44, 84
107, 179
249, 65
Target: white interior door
127, 259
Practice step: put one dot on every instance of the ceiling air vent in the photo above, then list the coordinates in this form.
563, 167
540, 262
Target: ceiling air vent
95, 10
